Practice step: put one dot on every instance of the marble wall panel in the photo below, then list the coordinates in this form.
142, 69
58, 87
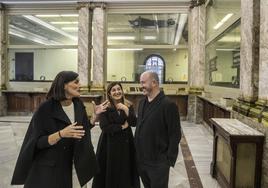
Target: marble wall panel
196, 69
249, 58
98, 23
263, 78
84, 46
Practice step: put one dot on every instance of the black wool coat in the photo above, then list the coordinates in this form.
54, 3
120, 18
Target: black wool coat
116, 152
158, 131
41, 165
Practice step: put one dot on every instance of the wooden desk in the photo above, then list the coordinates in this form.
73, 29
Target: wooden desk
237, 154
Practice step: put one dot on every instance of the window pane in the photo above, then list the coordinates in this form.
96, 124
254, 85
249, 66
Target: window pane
223, 59
164, 29
50, 38
130, 64
219, 12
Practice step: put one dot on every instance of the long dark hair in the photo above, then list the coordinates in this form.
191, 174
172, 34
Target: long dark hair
109, 97
56, 90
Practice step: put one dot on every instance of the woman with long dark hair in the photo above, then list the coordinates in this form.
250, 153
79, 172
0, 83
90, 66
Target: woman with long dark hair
57, 137
115, 151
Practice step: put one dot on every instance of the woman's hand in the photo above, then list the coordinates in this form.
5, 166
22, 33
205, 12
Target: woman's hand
121, 106
73, 131
125, 125
98, 109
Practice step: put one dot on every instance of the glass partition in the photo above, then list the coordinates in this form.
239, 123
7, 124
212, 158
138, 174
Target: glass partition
139, 42
219, 14
223, 43
127, 65
41, 45
223, 58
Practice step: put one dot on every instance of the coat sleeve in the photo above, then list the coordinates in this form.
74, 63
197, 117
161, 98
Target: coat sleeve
107, 126
85, 161
131, 118
39, 127
174, 131
27, 152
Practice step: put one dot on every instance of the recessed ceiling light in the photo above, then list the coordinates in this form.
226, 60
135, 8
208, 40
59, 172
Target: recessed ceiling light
121, 38
63, 23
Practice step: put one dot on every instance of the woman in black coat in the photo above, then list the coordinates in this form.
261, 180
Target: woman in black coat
115, 151
57, 137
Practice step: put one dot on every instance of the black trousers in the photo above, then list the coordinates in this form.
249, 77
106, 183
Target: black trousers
154, 176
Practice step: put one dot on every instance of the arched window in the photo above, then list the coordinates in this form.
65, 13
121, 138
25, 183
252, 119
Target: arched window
157, 64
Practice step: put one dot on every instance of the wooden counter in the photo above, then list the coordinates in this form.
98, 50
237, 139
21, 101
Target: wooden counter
26, 102
213, 109
180, 100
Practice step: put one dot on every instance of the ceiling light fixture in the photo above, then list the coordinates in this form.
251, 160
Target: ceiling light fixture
51, 27
47, 15
149, 37
17, 34
63, 23
125, 49
224, 19
13, 30
70, 28
55, 15
121, 38
69, 15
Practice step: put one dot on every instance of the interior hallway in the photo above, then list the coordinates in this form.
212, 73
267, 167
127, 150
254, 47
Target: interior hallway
184, 175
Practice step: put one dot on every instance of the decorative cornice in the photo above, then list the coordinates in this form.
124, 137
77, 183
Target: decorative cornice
91, 6
196, 3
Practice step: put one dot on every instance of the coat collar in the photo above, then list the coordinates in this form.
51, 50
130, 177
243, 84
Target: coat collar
58, 113
154, 105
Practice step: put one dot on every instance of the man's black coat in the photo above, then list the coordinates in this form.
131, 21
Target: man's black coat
42, 165
158, 131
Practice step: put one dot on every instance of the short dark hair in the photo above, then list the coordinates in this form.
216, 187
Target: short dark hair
56, 90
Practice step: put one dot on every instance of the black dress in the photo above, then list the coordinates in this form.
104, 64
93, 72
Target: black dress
116, 152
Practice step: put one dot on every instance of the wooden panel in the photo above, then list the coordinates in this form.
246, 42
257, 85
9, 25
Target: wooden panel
180, 100
29, 102
213, 111
19, 102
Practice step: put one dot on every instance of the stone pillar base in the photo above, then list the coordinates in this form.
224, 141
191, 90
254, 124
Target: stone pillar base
195, 109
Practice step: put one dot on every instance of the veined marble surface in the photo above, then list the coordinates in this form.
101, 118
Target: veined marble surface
13, 128
249, 56
236, 127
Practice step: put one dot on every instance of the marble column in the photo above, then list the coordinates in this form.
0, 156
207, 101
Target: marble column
263, 79
98, 37
263, 72
3, 59
84, 45
196, 68
249, 57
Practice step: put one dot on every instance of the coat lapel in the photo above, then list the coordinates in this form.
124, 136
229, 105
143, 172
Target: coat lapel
78, 114
58, 112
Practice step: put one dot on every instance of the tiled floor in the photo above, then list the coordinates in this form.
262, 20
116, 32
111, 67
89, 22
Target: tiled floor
12, 130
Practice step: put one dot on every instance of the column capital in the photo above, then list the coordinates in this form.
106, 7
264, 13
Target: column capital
196, 3
91, 6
